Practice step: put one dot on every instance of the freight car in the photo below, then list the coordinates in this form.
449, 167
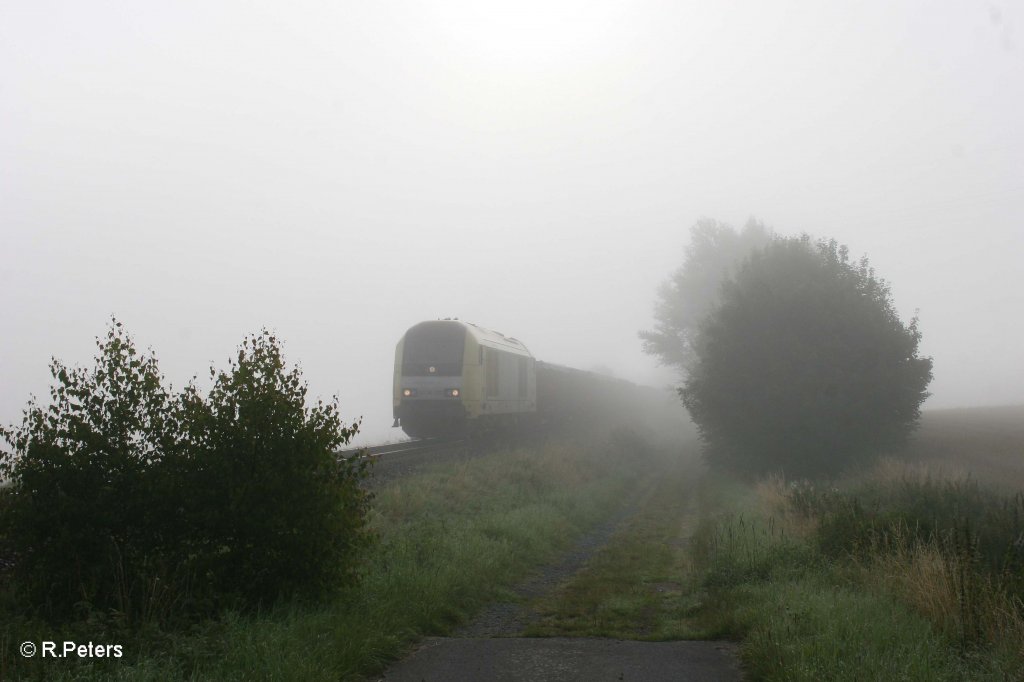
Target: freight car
452, 377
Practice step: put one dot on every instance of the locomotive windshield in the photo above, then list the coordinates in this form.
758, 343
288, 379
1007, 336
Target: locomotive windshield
434, 344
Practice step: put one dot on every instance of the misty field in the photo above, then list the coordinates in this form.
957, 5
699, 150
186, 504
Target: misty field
985, 442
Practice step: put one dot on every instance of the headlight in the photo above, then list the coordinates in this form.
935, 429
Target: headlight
409, 392
452, 392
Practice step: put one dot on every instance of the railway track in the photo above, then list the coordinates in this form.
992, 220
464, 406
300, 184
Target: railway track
394, 460
417, 445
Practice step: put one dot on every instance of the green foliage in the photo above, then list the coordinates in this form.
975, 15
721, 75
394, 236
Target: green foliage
735, 549
714, 253
808, 614
805, 366
80, 516
128, 500
271, 509
952, 548
959, 516
814, 630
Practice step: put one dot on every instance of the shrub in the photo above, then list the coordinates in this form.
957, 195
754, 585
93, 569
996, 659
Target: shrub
81, 519
273, 509
127, 498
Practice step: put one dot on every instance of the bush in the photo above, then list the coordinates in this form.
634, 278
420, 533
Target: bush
272, 509
805, 366
128, 499
80, 517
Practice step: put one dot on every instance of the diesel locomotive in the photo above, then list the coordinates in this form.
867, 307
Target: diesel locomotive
452, 375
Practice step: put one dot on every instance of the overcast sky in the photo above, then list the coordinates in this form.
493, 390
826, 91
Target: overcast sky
338, 171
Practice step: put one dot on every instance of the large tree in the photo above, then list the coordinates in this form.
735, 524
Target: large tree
715, 251
805, 365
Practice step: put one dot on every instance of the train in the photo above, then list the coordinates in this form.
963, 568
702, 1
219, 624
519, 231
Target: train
454, 377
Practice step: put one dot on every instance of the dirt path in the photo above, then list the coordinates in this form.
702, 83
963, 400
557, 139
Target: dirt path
490, 648
504, 619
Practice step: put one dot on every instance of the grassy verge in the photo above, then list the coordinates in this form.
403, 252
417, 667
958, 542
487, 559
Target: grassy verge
449, 540
833, 584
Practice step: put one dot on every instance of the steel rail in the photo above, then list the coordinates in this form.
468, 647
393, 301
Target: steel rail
405, 447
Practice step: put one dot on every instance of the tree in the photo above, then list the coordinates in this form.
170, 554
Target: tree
714, 253
80, 514
128, 499
274, 511
805, 366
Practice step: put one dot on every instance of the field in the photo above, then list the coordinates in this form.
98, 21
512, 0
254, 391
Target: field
986, 442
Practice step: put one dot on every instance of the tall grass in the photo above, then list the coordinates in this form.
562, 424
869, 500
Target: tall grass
944, 583
896, 575
951, 548
740, 548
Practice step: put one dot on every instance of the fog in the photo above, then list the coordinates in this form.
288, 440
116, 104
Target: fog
337, 172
